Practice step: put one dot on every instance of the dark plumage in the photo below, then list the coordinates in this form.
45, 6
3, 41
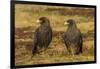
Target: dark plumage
42, 35
73, 38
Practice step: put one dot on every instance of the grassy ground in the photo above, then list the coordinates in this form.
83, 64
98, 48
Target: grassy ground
25, 25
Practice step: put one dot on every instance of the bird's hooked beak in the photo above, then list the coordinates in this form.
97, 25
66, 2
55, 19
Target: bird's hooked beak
65, 23
38, 21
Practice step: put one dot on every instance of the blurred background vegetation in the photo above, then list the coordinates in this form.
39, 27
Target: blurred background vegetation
25, 25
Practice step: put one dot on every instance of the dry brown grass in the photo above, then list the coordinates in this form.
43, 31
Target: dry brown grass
25, 23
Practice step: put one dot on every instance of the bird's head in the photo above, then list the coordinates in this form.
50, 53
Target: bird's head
43, 20
69, 22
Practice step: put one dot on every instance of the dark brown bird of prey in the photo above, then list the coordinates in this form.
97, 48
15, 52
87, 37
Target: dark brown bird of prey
42, 35
73, 38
